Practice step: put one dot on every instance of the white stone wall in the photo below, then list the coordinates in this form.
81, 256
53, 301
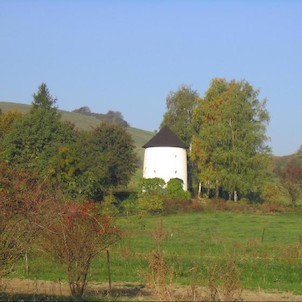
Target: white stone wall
166, 163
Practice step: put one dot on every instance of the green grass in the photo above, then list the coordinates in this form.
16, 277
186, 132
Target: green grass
201, 239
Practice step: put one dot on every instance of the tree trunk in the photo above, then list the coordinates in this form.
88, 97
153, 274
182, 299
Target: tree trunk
199, 190
230, 195
235, 196
208, 192
217, 190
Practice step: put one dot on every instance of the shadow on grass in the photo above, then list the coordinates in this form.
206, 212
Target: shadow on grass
127, 292
91, 295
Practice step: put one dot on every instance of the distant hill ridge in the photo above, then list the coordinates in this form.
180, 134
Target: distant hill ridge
89, 121
114, 117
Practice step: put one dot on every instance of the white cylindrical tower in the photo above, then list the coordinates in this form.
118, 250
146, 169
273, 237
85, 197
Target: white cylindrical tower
166, 157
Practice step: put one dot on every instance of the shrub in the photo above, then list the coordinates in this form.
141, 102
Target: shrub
175, 190
224, 280
155, 184
160, 275
130, 205
107, 206
151, 202
274, 193
73, 234
156, 196
20, 197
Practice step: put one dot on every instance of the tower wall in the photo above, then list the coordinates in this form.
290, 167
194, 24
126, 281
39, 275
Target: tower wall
166, 163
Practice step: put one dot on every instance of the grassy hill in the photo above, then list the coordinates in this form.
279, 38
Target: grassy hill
84, 122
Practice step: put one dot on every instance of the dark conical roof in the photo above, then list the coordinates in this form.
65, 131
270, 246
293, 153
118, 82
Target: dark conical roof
165, 138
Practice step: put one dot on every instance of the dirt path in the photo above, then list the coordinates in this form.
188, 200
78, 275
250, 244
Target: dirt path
129, 291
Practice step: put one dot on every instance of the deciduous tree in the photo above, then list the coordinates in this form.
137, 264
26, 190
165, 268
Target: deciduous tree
6, 121
107, 158
180, 105
230, 142
179, 117
291, 178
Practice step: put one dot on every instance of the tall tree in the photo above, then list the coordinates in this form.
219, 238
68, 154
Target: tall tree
180, 105
36, 137
107, 159
230, 142
43, 99
179, 117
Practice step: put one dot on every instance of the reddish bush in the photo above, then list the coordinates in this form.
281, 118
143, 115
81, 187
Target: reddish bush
73, 235
20, 197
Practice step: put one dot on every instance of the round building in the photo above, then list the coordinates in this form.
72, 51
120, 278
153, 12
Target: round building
166, 157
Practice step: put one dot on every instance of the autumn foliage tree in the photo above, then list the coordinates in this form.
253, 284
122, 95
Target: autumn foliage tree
291, 178
229, 145
20, 198
73, 234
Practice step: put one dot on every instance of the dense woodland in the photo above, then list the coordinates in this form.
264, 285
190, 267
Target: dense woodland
59, 185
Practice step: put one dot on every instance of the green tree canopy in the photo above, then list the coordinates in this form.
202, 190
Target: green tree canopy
107, 158
178, 117
6, 121
230, 141
43, 99
36, 137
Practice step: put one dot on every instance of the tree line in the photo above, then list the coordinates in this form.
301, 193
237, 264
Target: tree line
83, 164
114, 117
229, 156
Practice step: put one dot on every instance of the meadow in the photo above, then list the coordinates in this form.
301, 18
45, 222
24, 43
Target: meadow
266, 249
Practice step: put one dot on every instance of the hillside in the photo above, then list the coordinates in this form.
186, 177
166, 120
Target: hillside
294, 159
140, 136
85, 122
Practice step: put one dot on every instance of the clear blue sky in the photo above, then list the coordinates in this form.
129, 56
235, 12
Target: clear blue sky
128, 55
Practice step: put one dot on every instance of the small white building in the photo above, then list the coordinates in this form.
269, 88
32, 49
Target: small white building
166, 157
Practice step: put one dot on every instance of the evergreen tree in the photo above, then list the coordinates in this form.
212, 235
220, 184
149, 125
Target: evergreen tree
36, 137
43, 99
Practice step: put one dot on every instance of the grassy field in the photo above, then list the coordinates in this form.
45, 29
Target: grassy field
267, 250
